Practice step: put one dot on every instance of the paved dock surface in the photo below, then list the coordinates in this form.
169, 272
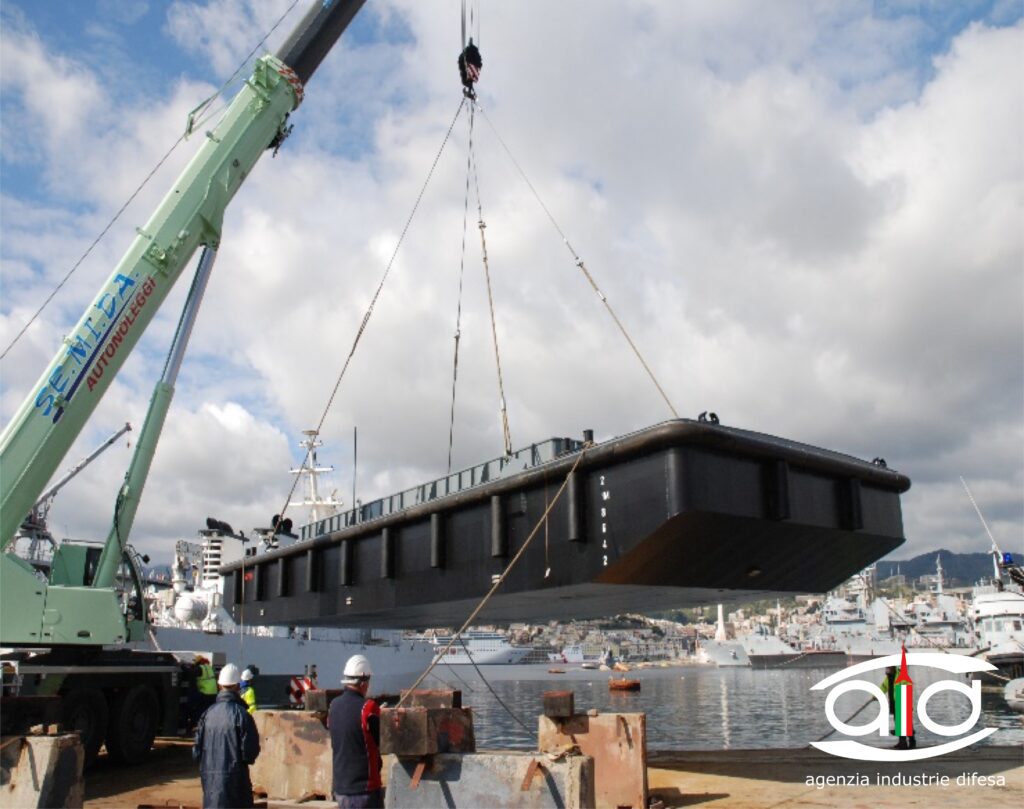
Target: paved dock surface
991, 777
745, 779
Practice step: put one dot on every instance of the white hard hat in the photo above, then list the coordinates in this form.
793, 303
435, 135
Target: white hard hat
247, 674
356, 667
228, 675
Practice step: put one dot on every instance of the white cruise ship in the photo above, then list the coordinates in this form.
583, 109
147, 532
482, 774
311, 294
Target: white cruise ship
479, 647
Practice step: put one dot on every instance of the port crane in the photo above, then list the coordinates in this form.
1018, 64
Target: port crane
64, 639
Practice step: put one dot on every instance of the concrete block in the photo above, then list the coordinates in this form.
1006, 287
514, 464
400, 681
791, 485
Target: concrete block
43, 771
295, 756
559, 704
425, 731
432, 698
492, 780
617, 742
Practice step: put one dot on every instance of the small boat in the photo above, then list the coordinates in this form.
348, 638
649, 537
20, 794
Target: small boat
589, 666
556, 671
622, 684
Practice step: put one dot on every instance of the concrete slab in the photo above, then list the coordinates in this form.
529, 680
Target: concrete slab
496, 780
44, 771
618, 744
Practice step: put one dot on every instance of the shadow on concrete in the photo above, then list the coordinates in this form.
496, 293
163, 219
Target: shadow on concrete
795, 765
671, 797
167, 762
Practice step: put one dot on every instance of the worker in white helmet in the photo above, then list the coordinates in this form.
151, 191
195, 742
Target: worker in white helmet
354, 724
247, 692
227, 742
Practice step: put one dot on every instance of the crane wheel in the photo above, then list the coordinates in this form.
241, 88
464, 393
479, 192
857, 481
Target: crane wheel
134, 717
85, 710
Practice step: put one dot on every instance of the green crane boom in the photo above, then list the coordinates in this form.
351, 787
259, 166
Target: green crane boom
33, 444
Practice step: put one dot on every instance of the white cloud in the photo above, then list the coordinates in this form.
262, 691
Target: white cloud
223, 32
796, 233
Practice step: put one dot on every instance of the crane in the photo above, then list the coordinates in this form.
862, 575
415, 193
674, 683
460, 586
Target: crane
190, 216
69, 634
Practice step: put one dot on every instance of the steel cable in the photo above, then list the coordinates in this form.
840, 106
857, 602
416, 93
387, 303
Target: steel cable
501, 579
458, 313
373, 302
579, 263
490, 301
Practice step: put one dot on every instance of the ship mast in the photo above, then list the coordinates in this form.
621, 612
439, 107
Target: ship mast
319, 507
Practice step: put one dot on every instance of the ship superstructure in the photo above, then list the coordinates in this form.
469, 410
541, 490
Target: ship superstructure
190, 615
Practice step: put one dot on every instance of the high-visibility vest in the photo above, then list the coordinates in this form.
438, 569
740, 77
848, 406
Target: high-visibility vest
206, 682
249, 698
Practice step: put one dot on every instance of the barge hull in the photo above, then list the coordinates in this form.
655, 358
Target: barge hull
680, 514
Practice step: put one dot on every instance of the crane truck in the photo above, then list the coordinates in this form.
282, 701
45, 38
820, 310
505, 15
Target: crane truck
63, 641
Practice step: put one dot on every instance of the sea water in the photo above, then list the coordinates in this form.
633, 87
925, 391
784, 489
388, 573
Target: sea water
704, 707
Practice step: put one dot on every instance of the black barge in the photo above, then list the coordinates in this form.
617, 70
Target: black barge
680, 514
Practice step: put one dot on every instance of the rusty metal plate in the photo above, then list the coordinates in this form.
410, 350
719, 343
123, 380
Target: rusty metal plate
425, 731
617, 742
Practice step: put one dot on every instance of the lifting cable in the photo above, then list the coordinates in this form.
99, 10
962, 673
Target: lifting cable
490, 300
458, 311
494, 693
474, 18
469, 71
373, 302
501, 579
192, 124
458, 677
579, 263
470, 64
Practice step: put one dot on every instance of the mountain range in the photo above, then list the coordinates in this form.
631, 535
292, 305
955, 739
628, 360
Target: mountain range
959, 569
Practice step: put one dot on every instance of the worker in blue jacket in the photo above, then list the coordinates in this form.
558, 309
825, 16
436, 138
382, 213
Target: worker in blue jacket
227, 742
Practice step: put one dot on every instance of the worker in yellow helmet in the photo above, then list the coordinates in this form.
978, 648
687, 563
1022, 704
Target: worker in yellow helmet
248, 693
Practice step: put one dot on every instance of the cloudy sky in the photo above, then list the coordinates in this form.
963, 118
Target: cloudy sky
808, 215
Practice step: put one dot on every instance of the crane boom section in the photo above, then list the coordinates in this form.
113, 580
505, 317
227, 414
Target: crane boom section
191, 214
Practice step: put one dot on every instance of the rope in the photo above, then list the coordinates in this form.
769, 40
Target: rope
501, 579
458, 313
494, 694
579, 263
373, 303
490, 300
458, 677
547, 563
191, 125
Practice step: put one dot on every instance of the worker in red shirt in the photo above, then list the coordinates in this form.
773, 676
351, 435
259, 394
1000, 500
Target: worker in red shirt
354, 725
